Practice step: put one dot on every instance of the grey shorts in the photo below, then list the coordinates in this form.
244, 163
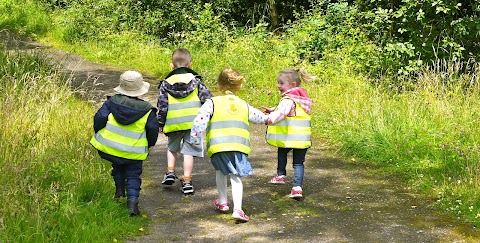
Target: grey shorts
179, 141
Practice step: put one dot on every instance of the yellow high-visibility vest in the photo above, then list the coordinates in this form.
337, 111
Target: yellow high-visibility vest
124, 141
291, 132
228, 129
181, 112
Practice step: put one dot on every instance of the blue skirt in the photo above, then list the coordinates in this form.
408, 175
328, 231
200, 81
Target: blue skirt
232, 163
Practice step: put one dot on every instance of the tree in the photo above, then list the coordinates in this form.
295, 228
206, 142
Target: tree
445, 29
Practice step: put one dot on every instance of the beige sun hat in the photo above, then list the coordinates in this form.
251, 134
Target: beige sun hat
132, 84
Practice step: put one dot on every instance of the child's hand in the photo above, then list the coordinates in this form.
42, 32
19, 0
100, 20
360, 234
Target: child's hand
267, 110
268, 121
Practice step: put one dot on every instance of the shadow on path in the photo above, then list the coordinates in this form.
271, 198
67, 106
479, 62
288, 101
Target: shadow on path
343, 202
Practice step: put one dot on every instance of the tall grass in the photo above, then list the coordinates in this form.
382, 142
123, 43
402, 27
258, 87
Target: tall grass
429, 135
54, 186
426, 131
254, 54
27, 18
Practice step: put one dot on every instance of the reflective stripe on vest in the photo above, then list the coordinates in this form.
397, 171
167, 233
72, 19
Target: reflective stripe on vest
124, 141
228, 129
181, 112
291, 132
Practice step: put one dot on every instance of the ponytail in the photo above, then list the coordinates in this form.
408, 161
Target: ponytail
297, 75
304, 75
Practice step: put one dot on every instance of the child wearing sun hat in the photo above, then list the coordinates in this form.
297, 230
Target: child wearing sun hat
125, 127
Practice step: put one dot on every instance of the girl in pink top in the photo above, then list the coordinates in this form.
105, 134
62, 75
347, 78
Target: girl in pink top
288, 82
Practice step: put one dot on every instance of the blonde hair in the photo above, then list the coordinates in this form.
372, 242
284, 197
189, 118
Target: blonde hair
230, 79
181, 58
297, 75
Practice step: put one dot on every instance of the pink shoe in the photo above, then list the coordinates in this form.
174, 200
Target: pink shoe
296, 193
222, 207
240, 215
278, 180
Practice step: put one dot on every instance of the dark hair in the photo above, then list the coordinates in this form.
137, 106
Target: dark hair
181, 58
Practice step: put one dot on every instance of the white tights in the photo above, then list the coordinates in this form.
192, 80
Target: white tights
237, 189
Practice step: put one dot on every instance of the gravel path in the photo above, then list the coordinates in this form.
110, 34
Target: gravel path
343, 201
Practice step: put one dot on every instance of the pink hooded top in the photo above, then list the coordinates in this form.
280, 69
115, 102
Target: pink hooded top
286, 107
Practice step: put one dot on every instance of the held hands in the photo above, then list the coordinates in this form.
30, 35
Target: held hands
268, 121
267, 110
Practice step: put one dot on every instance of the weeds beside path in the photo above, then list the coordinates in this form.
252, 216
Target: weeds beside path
344, 202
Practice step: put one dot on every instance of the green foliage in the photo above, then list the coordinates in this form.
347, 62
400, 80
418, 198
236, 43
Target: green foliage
93, 20
330, 33
407, 34
249, 13
208, 29
416, 32
88, 19
428, 134
28, 18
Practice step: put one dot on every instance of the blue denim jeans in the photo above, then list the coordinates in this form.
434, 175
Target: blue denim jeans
128, 174
298, 167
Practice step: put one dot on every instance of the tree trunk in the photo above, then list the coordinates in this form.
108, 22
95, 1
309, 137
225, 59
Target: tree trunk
272, 6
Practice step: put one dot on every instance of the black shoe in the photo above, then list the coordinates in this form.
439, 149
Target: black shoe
119, 190
132, 205
187, 187
169, 178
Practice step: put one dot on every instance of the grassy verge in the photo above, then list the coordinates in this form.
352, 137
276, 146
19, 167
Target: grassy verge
55, 187
428, 134
26, 18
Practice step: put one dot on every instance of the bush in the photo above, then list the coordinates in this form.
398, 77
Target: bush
330, 33
412, 33
94, 20
26, 18
208, 29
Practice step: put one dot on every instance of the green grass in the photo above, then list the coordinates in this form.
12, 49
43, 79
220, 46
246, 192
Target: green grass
55, 187
427, 132
257, 60
27, 18
429, 135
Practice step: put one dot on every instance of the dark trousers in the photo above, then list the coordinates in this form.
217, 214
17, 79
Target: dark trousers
129, 175
298, 167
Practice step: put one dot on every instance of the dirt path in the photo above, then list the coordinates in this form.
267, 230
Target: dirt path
343, 202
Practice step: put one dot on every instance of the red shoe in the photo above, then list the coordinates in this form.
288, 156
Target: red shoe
278, 180
221, 207
240, 215
296, 193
